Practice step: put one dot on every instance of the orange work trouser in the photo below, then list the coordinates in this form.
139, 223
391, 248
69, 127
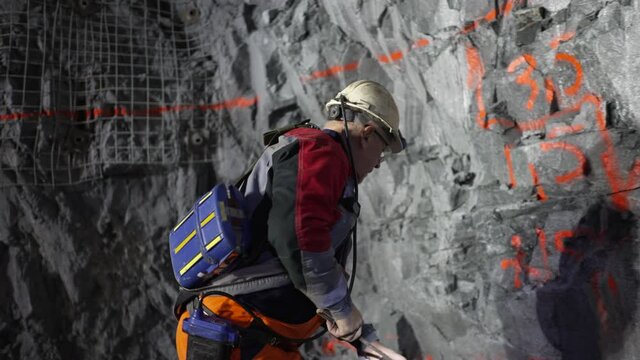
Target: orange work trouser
230, 310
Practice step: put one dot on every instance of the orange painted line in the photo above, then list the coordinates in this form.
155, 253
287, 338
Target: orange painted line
525, 77
542, 241
475, 72
470, 27
541, 195
540, 123
482, 112
332, 71
17, 116
475, 67
508, 6
507, 263
490, 16
559, 239
393, 57
577, 84
504, 122
515, 63
420, 43
582, 160
564, 130
96, 113
516, 263
555, 42
549, 90
512, 176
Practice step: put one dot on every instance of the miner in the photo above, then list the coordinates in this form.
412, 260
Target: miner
302, 201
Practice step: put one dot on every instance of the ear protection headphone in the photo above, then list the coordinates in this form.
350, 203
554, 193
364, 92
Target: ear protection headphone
335, 112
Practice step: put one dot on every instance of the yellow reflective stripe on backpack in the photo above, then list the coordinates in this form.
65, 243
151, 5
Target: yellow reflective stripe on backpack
184, 242
193, 233
199, 256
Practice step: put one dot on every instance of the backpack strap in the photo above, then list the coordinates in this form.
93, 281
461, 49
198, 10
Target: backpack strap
269, 138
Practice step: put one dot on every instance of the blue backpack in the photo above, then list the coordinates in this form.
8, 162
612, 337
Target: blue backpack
209, 239
215, 235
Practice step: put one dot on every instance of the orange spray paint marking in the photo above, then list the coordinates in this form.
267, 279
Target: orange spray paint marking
503, 122
542, 196
508, 6
545, 274
549, 90
516, 263
561, 38
393, 57
525, 78
230, 104
559, 239
540, 123
97, 113
19, 116
472, 26
475, 72
577, 84
489, 17
564, 130
542, 242
420, 43
608, 157
582, 160
512, 175
428, 357
332, 71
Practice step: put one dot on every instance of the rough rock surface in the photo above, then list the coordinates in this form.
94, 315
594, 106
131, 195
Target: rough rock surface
507, 230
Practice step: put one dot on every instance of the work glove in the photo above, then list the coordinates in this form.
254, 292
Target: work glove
375, 351
346, 329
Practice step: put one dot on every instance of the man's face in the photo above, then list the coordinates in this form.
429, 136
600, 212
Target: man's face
368, 151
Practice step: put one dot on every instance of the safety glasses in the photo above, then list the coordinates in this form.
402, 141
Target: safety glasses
387, 149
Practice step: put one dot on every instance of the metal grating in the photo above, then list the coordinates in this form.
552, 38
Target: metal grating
91, 87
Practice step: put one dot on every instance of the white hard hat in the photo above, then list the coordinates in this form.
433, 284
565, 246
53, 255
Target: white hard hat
373, 99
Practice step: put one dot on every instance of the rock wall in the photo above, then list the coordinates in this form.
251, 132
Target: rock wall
507, 230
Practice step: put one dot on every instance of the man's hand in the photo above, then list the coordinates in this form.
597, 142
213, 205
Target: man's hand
375, 351
346, 329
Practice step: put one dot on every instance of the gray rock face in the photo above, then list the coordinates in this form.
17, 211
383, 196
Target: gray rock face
507, 230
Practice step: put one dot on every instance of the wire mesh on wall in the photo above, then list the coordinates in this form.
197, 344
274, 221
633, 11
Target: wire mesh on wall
92, 86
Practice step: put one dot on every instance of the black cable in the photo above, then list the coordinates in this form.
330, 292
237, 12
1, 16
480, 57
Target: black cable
355, 194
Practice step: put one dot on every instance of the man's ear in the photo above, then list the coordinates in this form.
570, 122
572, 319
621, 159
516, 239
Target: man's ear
368, 131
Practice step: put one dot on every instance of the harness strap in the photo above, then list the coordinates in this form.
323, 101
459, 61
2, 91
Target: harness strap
257, 331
